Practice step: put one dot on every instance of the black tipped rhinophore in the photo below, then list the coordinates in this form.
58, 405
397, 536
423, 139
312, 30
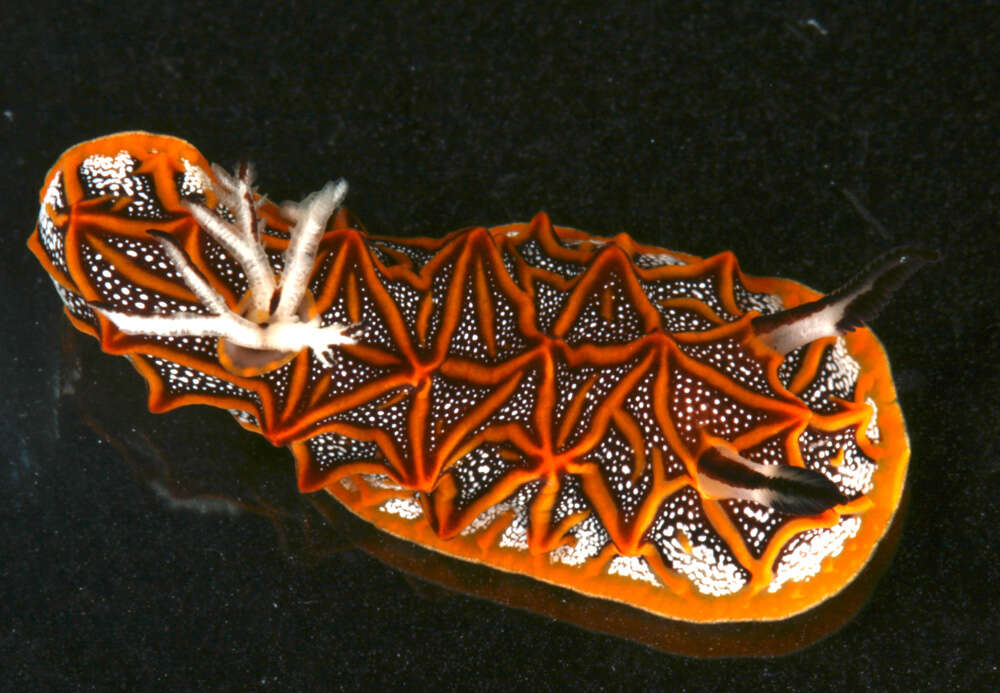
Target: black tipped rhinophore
792, 490
872, 288
800, 491
857, 301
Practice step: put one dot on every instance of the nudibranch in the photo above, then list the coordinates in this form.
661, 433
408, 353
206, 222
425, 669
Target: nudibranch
630, 423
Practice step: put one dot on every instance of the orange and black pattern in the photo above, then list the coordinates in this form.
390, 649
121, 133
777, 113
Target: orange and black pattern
528, 397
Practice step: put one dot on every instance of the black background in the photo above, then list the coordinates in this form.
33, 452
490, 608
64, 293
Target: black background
807, 139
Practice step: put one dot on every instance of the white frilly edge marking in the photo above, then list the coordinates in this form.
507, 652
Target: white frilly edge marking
406, 508
382, 481
873, 432
658, 260
809, 549
706, 571
282, 330
111, 175
633, 567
